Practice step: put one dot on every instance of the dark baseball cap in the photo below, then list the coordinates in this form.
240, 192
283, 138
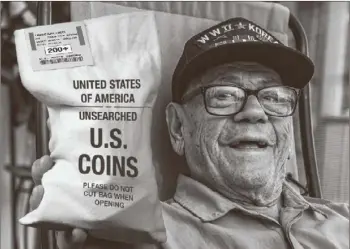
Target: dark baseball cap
238, 39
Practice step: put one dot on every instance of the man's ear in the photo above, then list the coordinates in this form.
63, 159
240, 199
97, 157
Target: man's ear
174, 119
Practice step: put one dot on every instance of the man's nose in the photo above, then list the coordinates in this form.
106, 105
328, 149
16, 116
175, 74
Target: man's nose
252, 112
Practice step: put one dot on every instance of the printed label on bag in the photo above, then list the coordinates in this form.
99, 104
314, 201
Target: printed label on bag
59, 46
116, 105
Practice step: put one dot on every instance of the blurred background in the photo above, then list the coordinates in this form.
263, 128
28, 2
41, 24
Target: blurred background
327, 27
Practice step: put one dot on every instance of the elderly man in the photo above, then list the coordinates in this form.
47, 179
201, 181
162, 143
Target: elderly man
235, 89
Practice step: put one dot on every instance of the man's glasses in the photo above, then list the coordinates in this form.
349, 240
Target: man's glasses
226, 100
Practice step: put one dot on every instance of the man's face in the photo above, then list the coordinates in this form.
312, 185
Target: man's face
246, 150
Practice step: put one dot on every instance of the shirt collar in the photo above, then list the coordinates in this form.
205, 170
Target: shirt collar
294, 199
209, 205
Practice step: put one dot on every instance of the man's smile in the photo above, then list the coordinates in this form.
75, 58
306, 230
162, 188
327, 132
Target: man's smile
248, 142
248, 145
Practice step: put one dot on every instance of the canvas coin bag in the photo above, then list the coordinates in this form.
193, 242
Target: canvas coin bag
99, 79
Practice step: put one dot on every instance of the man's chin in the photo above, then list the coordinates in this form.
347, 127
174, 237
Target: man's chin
253, 182
251, 162
252, 174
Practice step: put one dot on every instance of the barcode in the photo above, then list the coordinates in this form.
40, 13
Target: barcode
60, 60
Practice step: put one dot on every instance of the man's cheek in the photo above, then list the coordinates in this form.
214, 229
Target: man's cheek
211, 129
284, 134
195, 117
282, 127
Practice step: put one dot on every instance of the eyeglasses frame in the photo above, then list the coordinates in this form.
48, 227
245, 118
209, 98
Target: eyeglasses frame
247, 92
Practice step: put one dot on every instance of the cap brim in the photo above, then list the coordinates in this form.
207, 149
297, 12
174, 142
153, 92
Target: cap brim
294, 68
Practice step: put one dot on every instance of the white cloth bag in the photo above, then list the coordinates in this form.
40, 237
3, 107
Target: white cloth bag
123, 46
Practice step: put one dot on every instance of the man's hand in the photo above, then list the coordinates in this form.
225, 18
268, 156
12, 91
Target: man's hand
72, 239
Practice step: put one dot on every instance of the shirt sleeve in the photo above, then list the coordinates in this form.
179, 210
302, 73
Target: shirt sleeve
340, 208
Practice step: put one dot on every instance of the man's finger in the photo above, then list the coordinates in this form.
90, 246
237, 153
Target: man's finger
79, 236
36, 197
72, 239
40, 167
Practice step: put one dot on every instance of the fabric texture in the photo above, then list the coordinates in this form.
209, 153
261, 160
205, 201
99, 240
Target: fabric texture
199, 218
110, 188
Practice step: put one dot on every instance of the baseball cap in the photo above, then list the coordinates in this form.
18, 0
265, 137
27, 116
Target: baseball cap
239, 39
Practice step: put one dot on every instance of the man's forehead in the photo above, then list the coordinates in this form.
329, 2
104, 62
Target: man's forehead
233, 73
237, 69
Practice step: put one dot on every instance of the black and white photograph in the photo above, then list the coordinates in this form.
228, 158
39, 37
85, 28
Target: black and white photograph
174, 124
